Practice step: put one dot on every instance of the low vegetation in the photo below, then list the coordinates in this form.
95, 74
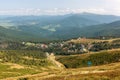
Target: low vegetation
101, 58
114, 75
22, 62
36, 58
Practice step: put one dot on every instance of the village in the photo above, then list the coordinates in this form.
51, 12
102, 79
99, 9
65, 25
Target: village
61, 47
65, 47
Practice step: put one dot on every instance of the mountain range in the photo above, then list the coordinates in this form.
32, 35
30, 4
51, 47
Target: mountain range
67, 26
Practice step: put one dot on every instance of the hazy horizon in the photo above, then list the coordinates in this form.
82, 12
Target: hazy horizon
58, 7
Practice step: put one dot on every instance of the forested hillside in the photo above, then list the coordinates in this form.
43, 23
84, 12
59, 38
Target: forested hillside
57, 27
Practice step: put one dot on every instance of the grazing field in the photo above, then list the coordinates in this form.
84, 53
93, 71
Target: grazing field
103, 72
113, 75
35, 65
13, 70
15, 63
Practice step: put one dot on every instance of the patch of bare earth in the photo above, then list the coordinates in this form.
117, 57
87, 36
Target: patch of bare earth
16, 66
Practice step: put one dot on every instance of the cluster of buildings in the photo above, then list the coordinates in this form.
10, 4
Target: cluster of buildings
67, 47
36, 45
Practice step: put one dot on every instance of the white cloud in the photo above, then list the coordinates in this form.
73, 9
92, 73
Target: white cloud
57, 11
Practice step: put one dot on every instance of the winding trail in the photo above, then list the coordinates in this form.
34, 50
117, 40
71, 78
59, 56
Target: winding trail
56, 63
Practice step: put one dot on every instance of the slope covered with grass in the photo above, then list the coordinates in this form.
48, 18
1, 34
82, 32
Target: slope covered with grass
100, 58
15, 63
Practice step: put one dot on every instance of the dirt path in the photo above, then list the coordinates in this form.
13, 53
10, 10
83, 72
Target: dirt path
58, 64
44, 75
35, 75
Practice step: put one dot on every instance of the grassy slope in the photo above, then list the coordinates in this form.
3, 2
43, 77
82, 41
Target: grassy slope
13, 70
29, 63
102, 72
97, 58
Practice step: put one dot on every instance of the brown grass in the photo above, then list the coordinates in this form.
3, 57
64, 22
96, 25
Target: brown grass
16, 66
104, 72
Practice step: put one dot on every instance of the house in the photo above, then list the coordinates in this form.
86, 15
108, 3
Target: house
83, 49
44, 46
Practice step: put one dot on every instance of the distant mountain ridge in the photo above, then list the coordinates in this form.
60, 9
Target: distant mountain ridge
58, 27
110, 29
100, 18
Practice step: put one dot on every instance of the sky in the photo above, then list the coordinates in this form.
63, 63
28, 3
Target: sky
58, 7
